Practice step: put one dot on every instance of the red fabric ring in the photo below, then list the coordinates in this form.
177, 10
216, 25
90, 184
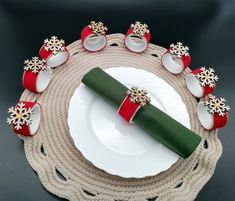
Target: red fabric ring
207, 90
128, 109
92, 42
37, 82
194, 86
54, 60
134, 46
210, 121
172, 65
30, 130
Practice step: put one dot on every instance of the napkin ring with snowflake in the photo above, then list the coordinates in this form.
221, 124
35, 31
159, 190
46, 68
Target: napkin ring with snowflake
37, 75
94, 36
176, 59
25, 118
201, 82
212, 112
137, 37
54, 52
135, 99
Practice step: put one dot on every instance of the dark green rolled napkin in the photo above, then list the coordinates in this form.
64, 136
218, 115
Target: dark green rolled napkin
158, 124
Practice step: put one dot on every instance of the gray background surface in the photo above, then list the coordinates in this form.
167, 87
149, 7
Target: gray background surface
207, 26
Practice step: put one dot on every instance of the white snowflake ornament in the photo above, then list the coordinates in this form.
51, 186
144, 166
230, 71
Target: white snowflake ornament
216, 105
34, 65
98, 28
19, 115
140, 29
179, 50
138, 96
207, 77
54, 45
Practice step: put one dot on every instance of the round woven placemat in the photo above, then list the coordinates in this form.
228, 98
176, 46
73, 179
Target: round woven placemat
66, 173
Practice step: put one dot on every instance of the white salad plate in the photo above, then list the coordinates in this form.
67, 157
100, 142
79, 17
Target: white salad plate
109, 142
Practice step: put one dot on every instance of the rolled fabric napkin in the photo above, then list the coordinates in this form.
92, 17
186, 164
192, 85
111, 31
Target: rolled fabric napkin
158, 124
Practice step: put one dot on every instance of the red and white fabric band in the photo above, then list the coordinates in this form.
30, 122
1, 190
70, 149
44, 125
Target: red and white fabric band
25, 118
37, 75
201, 82
54, 52
213, 113
176, 59
137, 37
94, 36
135, 99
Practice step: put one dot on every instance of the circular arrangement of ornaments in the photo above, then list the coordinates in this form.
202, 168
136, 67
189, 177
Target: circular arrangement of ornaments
50, 79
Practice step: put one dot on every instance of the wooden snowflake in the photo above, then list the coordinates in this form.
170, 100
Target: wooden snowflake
35, 65
54, 45
138, 96
140, 29
19, 116
179, 50
207, 77
216, 105
98, 28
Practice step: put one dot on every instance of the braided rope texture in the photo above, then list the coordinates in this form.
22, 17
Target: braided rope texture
62, 169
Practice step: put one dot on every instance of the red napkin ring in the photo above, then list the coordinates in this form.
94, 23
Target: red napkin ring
137, 37
94, 36
213, 112
54, 52
25, 118
201, 82
37, 75
135, 99
176, 58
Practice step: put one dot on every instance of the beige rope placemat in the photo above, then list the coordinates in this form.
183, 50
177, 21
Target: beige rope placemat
66, 173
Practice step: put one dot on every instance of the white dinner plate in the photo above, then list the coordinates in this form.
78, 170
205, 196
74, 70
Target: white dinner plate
109, 142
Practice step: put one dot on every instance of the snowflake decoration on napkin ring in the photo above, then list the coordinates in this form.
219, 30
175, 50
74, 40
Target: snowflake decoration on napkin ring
35, 65
19, 116
207, 77
216, 105
98, 28
138, 96
179, 50
133, 102
54, 45
140, 29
